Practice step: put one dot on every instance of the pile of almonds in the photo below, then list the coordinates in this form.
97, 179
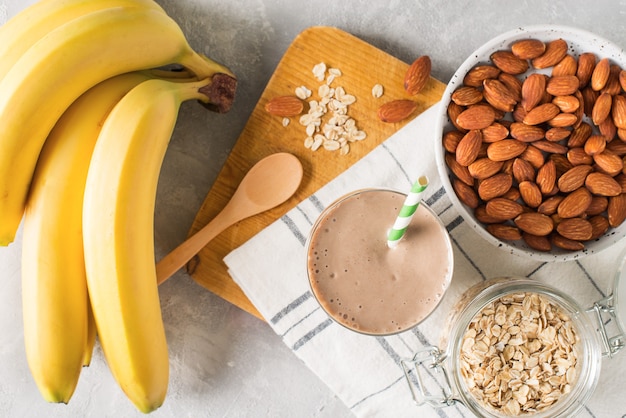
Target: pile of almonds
539, 155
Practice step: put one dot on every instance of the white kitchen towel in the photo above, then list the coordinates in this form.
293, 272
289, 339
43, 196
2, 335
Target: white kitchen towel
364, 371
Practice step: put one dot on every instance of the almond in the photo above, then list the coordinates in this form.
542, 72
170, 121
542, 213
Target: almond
580, 111
528, 49
546, 177
534, 223
618, 147
541, 113
550, 205
495, 132
533, 155
519, 113
597, 206
513, 83
618, 111
578, 156
602, 184
595, 144
526, 133
483, 168
284, 106
608, 162
577, 229
508, 62
481, 215
589, 98
417, 75
563, 120
554, 53
460, 171
567, 244
563, 85
579, 135
616, 210
498, 95
505, 149
504, 232
531, 194
396, 110
512, 194
469, 147
550, 147
562, 164
567, 104
600, 74
574, 178
536, 242
451, 140
454, 110
601, 108
608, 128
476, 117
575, 203
612, 85
523, 170
621, 180
557, 134
494, 186
476, 75
586, 64
599, 225
533, 89
466, 96
567, 66
502, 208
466, 194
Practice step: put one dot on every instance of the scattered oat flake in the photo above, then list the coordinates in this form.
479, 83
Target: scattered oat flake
286, 121
319, 71
303, 92
334, 71
377, 91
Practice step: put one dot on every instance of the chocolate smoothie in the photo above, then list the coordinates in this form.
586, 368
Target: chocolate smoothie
361, 282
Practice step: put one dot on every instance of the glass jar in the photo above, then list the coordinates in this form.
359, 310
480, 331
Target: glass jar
593, 327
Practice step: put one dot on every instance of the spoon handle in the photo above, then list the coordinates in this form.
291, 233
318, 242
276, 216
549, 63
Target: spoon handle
176, 259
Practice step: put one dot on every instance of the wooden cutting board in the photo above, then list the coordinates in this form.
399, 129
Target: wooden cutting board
362, 66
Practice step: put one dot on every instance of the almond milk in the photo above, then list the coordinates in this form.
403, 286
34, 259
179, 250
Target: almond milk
361, 282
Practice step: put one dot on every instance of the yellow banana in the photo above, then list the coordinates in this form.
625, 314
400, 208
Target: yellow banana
57, 333
91, 335
118, 215
61, 66
33, 23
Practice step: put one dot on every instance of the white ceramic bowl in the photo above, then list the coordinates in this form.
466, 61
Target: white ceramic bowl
579, 41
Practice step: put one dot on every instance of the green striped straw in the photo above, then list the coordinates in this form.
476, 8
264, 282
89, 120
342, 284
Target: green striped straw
409, 207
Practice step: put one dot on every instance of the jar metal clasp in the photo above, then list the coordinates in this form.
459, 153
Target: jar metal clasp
431, 359
606, 317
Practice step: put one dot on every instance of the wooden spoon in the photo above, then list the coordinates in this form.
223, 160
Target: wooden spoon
269, 183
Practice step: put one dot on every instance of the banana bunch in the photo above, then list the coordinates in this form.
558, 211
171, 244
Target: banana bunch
87, 111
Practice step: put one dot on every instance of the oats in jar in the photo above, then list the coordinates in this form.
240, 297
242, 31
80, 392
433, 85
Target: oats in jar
519, 354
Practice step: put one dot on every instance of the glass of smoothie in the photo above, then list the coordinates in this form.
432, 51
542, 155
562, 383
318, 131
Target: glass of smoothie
360, 281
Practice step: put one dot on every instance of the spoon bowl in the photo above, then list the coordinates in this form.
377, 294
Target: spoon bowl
269, 183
